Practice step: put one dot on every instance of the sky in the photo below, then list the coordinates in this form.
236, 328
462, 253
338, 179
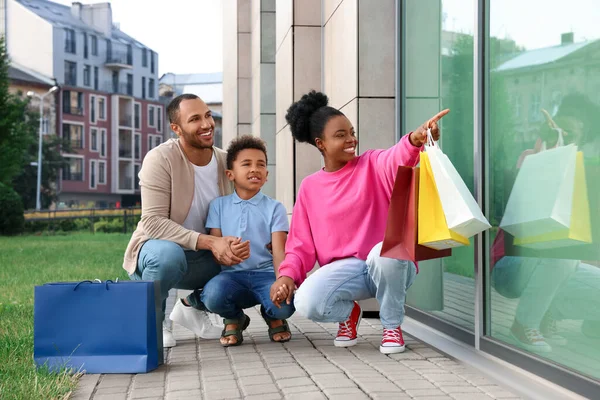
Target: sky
186, 34
532, 24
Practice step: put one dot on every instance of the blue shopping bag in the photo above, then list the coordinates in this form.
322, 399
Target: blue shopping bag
98, 327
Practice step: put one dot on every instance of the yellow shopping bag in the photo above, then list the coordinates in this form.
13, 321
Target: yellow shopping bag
433, 230
579, 232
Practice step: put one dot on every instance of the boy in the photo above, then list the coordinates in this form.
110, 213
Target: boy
257, 218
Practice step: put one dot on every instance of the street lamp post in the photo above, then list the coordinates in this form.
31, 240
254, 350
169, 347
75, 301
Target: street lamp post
38, 199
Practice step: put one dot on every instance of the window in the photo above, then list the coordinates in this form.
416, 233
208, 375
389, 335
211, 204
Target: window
549, 280
93, 172
74, 170
151, 88
154, 141
93, 109
72, 102
70, 42
103, 143
144, 57
130, 84
137, 114
94, 40
101, 172
108, 50
85, 45
151, 116
94, 139
136, 178
70, 73
447, 80
129, 55
159, 119
96, 86
101, 108
87, 75
115, 81
137, 146
143, 87
74, 134
535, 105
151, 61
45, 124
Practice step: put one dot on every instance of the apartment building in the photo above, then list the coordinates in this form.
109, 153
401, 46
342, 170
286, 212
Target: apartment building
108, 100
388, 65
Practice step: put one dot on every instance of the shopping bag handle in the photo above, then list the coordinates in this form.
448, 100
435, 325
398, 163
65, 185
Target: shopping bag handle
76, 286
430, 141
106, 282
554, 126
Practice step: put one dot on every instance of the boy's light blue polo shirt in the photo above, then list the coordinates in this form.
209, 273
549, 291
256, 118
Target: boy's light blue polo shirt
254, 219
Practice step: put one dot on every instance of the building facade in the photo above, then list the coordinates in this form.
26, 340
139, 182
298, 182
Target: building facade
24, 80
391, 64
108, 102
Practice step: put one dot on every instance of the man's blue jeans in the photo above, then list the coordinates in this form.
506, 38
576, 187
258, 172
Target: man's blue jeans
175, 268
229, 293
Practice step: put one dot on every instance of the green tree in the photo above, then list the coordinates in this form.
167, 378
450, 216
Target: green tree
52, 163
15, 129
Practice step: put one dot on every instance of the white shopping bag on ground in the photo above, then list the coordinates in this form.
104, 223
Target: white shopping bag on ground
462, 212
542, 197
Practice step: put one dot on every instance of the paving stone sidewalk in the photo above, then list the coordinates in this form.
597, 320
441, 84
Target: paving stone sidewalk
308, 367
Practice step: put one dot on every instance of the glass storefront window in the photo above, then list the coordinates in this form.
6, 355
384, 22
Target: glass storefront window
543, 179
437, 74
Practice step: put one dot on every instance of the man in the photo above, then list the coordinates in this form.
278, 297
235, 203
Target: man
178, 180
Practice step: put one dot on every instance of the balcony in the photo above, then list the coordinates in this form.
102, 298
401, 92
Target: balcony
119, 60
125, 175
118, 88
73, 110
72, 176
76, 144
125, 120
125, 145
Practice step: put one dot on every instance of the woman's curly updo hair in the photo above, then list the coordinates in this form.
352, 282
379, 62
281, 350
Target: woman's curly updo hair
309, 115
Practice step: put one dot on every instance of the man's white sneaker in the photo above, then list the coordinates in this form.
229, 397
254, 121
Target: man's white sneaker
168, 339
195, 320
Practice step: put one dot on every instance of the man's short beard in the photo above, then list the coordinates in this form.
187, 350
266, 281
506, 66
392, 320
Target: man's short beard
193, 143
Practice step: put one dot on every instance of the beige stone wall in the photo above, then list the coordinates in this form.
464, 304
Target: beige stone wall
263, 82
230, 73
298, 70
344, 47
359, 65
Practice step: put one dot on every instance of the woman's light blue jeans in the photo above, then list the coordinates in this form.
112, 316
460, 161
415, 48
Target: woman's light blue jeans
328, 294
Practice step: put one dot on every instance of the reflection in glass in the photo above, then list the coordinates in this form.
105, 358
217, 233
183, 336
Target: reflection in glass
445, 287
543, 171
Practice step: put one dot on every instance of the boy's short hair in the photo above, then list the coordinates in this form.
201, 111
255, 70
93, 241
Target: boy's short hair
242, 143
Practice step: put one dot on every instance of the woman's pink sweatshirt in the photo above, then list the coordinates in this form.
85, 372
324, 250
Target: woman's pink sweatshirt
343, 214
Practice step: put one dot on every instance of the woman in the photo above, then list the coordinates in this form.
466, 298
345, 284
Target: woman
339, 221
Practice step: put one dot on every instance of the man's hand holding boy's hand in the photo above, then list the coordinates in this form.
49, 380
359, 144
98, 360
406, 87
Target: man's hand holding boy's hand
241, 249
229, 250
282, 290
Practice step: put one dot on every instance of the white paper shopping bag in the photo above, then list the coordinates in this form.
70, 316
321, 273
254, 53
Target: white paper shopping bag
542, 197
462, 212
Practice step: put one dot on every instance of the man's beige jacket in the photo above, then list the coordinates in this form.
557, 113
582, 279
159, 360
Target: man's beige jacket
167, 185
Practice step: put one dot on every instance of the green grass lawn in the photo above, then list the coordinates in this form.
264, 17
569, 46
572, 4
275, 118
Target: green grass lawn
27, 261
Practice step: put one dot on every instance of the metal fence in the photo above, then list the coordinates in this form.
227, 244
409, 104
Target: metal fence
129, 215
